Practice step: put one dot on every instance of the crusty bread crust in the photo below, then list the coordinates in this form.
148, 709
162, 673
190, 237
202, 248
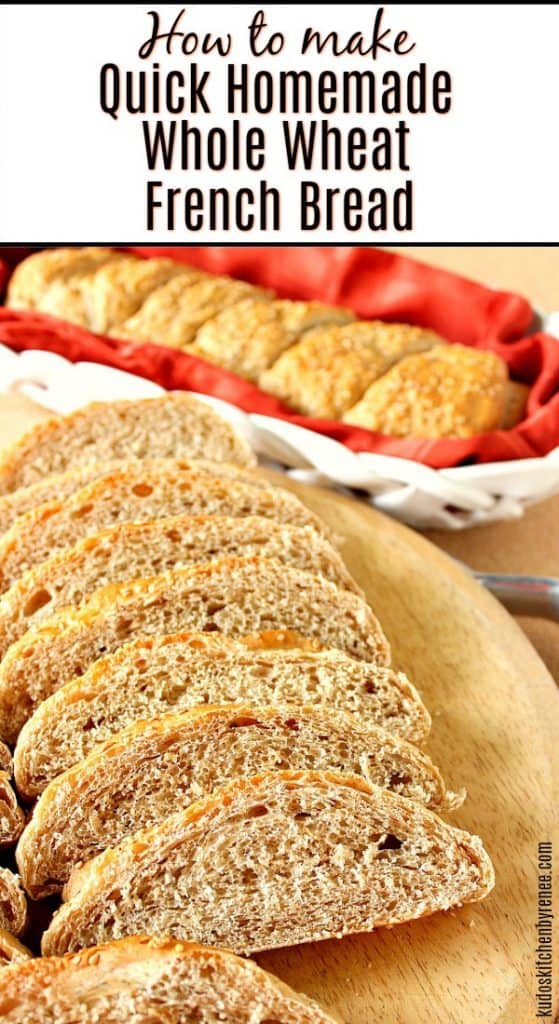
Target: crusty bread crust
152, 769
154, 676
11, 950
449, 391
363, 857
143, 978
173, 425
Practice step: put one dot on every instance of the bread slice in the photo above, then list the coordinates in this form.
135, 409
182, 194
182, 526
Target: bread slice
13, 903
152, 769
276, 860
135, 550
52, 488
450, 391
153, 676
11, 950
62, 485
141, 979
174, 425
139, 493
33, 277
12, 818
235, 596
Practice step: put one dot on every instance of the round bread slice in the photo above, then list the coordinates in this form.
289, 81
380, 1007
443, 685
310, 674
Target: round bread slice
61, 485
152, 769
141, 979
135, 550
276, 860
141, 492
153, 676
11, 950
174, 425
235, 596
13, 903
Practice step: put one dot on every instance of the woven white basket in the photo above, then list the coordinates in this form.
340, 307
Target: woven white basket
451, 499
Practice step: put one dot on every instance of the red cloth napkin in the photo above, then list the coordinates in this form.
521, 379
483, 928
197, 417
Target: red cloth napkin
373, 283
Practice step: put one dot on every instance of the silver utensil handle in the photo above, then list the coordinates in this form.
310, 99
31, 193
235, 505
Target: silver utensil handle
535, 596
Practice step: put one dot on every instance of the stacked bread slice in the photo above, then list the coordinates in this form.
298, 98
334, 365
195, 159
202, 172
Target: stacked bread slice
203, 708
399, 379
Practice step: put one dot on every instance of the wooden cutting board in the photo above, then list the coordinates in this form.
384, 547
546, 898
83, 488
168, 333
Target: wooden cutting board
495, 713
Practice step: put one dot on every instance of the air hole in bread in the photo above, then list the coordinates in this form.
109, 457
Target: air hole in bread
141, 665
83, 511
390, 842
301, 815
400, 779
241, 722
211, 627
292, 723
370, 688
173, 535
213, 609
257, 811
37, 600
89, 725
142, 490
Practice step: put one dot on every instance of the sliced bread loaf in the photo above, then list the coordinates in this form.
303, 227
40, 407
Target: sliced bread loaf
235, 596
134, 550
13, 904
156, 675
175, 425
153, 769
136, 494
52, 488
276, 860
141, 980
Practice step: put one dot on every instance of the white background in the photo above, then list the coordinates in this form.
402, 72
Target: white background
487, 172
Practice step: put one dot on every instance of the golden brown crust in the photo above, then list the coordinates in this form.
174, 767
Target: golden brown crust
73, 298
248, 338
11, 950
173, 314
516, 398
12, 818
449, 391
326, 372
144, 977
116, 291
13, 904
35, 275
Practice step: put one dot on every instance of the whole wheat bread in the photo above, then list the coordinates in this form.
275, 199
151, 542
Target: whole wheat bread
235, 596
152, 769
143, 491
276, 860
141, 979
13, 903
11, 949
174, 425
134, 550
153, 676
